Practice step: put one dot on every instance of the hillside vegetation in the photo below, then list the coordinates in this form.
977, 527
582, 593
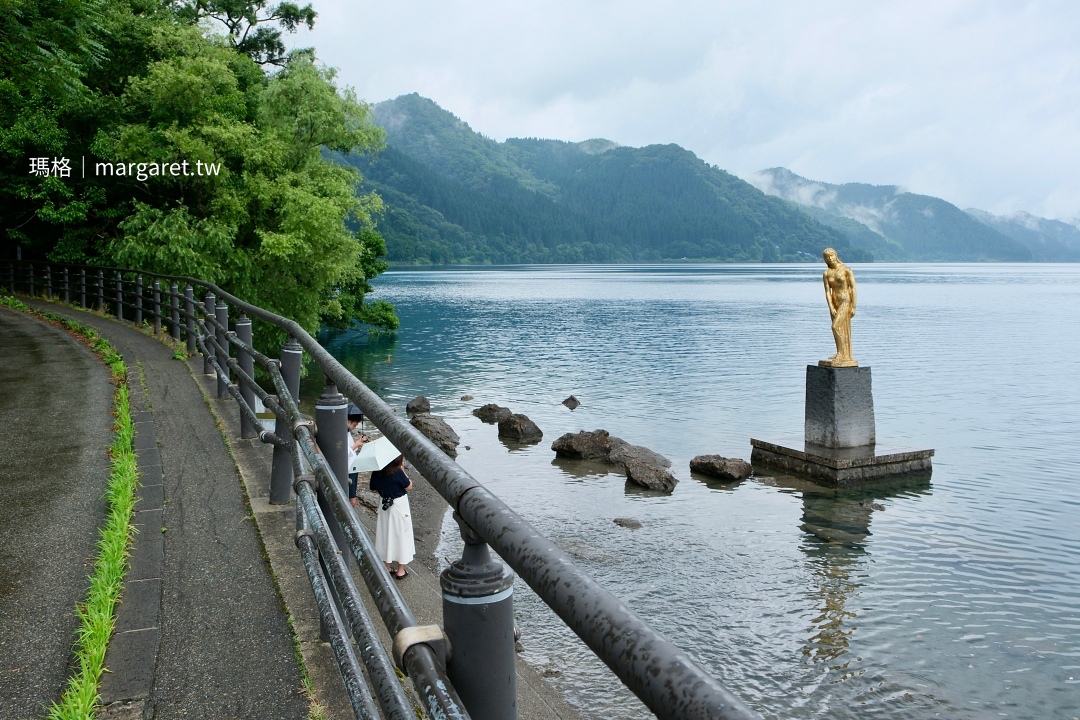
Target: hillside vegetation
898, 225
455, 196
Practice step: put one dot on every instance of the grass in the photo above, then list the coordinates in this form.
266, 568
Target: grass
97, 614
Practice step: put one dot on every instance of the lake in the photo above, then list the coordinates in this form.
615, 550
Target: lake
956, 597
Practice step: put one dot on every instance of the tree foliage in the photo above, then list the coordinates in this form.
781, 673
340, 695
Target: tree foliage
250, 26
258, 209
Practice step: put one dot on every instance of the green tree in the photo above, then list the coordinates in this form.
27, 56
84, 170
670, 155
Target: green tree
250, 24
259, 210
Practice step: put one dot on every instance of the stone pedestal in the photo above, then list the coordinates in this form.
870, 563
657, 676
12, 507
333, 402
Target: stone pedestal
840, 467
839, 446
839, 407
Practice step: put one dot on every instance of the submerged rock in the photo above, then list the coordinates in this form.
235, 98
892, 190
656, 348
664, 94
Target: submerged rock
650, 476
630, 523
519, 427
417, 405
492, 413
721, 467
437, 431
571, 402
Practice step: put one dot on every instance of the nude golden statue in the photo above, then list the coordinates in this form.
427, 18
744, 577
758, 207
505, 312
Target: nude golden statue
840, 295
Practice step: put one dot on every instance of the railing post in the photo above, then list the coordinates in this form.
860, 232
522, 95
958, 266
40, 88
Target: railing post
119, 296
222, 313
82, 287
30, 281
247, 365
67, 286
11, 277
281, 472
48, 281
478, 618
174, 307
209, 311
101, 291
189, 320
138, 300
157, 307
331, 435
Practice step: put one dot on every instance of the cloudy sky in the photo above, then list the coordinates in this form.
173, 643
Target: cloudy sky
973, 101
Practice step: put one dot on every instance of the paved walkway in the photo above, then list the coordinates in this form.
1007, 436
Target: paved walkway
55, 411
223, 645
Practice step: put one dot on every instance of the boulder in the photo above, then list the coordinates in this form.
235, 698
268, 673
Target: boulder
622, 452
650, 476
437, 431
571, 402
519, 427
492, 413
721, 467
417, 405
629, 523
584, 445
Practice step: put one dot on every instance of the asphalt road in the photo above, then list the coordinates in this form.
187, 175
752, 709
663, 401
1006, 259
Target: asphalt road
56, 416
225, 650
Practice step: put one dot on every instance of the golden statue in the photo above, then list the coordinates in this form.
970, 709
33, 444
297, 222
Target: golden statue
840, 295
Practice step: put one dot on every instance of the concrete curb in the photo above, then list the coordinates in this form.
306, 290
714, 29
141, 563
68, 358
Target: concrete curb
133, 648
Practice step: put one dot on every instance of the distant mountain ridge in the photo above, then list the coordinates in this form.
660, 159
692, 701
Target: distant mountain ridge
455, 196
1048, 240
899, 225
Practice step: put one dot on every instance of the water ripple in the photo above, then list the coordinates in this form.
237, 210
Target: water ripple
959, 598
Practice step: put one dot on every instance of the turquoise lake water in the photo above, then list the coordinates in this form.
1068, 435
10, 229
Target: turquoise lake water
958, 597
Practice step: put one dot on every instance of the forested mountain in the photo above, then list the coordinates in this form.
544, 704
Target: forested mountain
911, 226
1048, 240
454, 196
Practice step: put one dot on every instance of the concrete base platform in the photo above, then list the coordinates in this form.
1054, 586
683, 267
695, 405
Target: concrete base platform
839, 467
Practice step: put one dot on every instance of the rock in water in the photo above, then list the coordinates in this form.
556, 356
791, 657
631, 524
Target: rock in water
571, 402
492, 413
721, 467
650, 476
437, 431
519, 427
595, 445
466, 398
629, 523
417, 405
622, 452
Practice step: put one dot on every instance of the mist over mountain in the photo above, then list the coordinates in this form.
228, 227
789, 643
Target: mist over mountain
455, 196
1048, 240
898, 225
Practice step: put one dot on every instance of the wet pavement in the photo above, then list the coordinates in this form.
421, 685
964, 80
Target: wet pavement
223, 647
56, 414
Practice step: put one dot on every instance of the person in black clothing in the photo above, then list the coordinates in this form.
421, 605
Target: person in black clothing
393, 526
354, 418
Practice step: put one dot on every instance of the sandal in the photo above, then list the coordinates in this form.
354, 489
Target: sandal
404, 573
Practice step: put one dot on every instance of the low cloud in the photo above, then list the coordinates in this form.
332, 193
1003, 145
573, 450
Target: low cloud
971, 102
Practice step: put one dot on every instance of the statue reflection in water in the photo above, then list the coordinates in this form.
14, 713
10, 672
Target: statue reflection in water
836, 523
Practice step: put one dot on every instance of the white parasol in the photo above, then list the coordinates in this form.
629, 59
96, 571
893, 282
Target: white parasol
374, 455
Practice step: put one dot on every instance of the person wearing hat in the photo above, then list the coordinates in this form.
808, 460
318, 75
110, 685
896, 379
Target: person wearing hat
354, 445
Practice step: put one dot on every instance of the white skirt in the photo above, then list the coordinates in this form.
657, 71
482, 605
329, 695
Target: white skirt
394, 533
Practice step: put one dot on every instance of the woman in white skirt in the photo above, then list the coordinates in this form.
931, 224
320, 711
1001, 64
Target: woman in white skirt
393, 527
